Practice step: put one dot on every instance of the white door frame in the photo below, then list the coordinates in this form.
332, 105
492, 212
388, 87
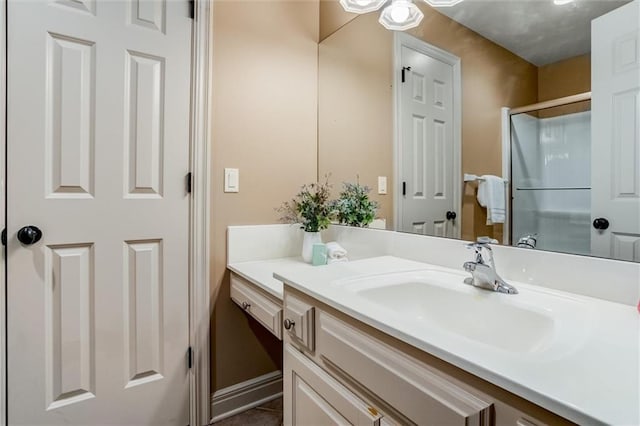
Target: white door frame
402, 39
3, 211
506, 170
199, 286
200, 209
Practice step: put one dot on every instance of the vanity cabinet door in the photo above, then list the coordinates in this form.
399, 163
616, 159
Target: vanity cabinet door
299, 321
410, 387
312, 397
507, 415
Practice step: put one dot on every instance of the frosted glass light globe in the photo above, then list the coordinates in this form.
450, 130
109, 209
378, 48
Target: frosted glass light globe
400, 13
362, 6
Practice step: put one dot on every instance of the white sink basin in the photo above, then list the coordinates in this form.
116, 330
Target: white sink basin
527, 322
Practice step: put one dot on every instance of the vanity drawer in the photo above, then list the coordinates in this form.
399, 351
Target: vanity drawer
313, 397
416, 391
266, 311
299, 321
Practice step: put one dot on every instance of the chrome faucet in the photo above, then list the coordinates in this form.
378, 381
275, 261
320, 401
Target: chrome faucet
484, 274
528, 241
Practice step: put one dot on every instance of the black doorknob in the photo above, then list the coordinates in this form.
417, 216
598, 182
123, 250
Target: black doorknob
451, 215
29, 234
601, 223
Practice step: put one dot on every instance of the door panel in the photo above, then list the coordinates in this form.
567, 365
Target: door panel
69, 324
148, 14
625, 246
144, 123
98, 147
427, 139
615, 167
144, 324
69, 125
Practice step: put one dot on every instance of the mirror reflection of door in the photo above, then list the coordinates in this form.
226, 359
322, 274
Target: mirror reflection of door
615, 200
428, 139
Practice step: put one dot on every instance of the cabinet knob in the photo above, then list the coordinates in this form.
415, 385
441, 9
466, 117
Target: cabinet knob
246, 305
289, 324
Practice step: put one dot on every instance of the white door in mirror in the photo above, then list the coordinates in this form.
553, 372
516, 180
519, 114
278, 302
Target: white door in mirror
426, 145
615, 156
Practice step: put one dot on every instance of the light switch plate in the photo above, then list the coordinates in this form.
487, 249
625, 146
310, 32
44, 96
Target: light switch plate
382, 185
231, 180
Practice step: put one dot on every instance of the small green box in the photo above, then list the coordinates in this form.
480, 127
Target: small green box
319, 254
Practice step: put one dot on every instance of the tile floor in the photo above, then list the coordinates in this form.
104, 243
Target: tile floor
267, 414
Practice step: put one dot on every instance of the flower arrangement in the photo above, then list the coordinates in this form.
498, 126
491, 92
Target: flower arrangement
354, 207
310, 207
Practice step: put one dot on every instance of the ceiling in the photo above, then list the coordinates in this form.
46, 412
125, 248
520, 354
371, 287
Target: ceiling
536, 30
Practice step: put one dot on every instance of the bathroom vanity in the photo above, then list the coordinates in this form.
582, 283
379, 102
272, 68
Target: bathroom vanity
396, 337
341, 370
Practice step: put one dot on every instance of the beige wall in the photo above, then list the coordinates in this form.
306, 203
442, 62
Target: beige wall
355, 124
265, 124
332, 18
564, 78
569, 77
355, 113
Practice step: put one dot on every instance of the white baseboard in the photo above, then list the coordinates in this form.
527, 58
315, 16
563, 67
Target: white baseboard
243, 396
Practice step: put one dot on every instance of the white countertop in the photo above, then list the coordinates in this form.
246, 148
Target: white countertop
260, 272
595, 379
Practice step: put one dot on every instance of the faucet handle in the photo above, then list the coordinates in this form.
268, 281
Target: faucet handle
478, 245
478, 250
482, 243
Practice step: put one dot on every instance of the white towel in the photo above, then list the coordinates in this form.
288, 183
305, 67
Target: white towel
335, 251
338, 260
491, 195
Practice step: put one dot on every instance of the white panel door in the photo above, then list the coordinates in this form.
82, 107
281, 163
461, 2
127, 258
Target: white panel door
98, 131
426, 145
615, 167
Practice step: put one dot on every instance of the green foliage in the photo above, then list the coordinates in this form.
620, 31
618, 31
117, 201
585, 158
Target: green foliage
310, 207
354, 208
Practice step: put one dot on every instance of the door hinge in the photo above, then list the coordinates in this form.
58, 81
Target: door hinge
189, 357
192, 9
189, 179
404, 69
4, 237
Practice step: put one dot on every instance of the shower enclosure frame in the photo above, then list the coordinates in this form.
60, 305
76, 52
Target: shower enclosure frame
506, 114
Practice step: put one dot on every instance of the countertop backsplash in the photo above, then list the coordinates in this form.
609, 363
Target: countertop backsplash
606, 279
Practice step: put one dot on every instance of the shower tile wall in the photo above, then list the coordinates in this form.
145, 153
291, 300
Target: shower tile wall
547, 154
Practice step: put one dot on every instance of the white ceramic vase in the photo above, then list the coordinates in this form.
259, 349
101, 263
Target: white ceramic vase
310, 238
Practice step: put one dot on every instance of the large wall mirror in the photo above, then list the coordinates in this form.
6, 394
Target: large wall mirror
514, 120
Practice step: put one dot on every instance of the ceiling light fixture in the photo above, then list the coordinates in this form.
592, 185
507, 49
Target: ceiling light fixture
443, 3
562, 2
401, 15
362, 6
